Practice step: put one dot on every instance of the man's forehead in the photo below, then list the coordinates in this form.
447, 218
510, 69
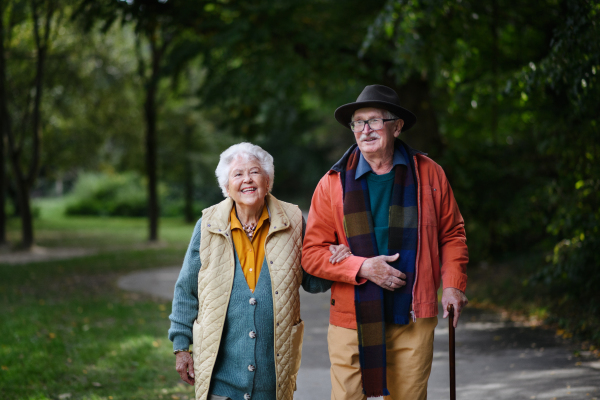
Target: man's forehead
366, 113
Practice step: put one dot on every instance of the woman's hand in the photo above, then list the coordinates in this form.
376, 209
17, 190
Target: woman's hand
184, 364
339, 253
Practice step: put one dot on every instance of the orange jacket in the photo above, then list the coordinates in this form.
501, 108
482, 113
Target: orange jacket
441, 240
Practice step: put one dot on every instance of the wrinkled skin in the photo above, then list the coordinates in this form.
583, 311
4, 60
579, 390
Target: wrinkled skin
184, 364
378, 271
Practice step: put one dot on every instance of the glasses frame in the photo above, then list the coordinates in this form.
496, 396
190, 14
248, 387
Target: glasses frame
367, 123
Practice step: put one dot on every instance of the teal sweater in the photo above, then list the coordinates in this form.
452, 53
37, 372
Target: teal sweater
246, 363
185, 310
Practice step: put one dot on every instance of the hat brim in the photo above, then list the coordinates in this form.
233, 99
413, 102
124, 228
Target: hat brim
343, 114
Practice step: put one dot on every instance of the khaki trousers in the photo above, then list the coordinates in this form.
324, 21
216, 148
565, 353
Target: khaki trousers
409, 352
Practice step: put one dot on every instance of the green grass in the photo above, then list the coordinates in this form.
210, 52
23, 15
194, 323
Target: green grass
68, 332
53, 229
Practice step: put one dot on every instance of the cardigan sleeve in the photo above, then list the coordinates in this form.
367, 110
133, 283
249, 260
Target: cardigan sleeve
185, 298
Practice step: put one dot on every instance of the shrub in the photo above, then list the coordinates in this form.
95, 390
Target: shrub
109, 195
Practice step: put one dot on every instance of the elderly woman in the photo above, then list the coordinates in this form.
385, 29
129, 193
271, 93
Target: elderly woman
236, 299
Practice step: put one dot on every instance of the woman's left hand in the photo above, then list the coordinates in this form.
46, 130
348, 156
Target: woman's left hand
184, 364
339, 253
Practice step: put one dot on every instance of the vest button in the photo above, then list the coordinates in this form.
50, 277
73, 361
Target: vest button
252, 334
251, 368
246, 396
252, 301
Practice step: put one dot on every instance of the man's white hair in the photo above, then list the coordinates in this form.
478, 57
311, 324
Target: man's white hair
384, 113
245, 151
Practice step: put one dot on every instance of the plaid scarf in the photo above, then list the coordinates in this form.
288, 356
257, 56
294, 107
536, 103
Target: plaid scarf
374, 305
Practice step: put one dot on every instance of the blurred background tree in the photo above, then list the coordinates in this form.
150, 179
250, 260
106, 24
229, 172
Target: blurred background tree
145, 94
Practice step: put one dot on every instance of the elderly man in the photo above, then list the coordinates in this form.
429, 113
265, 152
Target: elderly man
393, 207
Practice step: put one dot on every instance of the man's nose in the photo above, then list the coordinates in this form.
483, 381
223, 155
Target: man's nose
367, 127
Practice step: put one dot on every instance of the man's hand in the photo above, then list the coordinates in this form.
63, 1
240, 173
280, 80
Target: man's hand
339, 253
457, 299
378, 271
184, 364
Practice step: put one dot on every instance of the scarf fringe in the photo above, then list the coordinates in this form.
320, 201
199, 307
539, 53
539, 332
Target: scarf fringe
378, 393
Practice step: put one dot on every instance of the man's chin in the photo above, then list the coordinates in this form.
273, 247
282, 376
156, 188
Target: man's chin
369, 147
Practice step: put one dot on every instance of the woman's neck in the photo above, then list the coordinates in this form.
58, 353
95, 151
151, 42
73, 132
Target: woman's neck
248, 215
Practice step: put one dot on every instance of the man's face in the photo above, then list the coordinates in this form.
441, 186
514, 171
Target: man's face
381, 141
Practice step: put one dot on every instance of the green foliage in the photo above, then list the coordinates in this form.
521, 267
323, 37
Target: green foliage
108, 195
516, 90
567, 86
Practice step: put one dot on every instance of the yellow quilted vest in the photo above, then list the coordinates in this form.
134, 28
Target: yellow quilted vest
283, 250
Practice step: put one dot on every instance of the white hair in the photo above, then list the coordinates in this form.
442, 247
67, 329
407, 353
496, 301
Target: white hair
384, 113
246, 151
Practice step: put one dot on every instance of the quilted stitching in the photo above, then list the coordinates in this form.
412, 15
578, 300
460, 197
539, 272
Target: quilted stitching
215, 280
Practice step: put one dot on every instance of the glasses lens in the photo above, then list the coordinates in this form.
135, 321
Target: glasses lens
357, 126
376, 123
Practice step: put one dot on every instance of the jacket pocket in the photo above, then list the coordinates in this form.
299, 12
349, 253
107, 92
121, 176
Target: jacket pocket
197, 337
428, 210
296, 342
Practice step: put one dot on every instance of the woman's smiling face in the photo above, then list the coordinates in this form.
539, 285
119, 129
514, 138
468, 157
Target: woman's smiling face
248, 184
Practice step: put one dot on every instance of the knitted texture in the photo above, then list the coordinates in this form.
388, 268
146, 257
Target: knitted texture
245, 363
371, 314
215, 281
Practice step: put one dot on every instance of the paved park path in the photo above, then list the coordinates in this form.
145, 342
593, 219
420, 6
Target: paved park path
495, 359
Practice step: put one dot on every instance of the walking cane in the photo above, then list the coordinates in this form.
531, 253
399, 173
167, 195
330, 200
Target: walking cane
452, 364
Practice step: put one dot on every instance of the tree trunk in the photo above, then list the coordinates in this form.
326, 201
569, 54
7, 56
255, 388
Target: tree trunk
3, 125
150, 114
24, 200
425, 135
151, 151
24, 181
188, 176
494, 28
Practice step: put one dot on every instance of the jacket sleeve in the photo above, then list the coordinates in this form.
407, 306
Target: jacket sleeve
454, 255
185, 298
321, 232
313, 284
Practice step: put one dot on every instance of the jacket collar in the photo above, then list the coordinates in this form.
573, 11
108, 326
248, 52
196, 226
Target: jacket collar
219, 223
340, 166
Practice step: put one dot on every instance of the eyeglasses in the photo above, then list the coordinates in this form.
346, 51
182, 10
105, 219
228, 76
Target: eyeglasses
374, 123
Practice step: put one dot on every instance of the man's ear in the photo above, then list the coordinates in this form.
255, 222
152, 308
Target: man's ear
399, 125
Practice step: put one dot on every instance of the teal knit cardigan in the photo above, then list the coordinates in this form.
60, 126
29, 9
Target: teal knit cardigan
185, 300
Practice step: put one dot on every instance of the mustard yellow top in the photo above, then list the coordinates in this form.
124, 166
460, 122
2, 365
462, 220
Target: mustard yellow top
251, 254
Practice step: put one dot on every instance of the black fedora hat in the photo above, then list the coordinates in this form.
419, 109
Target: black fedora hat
377, 96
